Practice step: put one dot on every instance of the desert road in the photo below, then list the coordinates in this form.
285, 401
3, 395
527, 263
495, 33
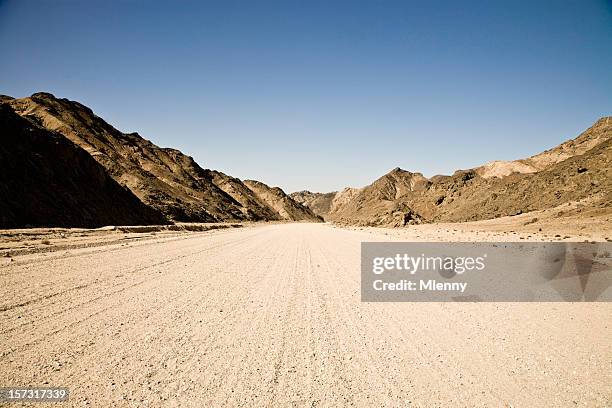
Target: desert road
271, 316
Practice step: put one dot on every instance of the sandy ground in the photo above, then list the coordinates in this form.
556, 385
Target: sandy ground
271, 316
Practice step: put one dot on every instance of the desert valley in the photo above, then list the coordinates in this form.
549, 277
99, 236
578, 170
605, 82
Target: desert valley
67, 167
135, 277
306, 204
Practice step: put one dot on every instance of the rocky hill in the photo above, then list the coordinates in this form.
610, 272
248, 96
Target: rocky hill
596, 134
580, 177
164, 179
276, 199
255, 208
319, 203
579, 169
46, 180
382, 202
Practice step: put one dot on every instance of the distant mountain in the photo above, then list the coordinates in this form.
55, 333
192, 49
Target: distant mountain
319, 203
579, 169
381, 203
46, 180
164, 179
281, 203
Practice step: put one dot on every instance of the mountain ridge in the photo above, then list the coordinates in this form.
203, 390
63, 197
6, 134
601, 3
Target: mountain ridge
162, 178
175, 188
576, 169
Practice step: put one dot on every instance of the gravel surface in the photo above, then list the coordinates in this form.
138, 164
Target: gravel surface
271, 316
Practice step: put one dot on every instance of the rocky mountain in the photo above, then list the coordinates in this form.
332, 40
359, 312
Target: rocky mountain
276, 199
164, 179
46, 180
255, 208
382, 202
324, 204
319, 203
586, 176
596, 134
579, 169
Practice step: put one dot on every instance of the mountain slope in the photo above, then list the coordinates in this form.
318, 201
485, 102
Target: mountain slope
578, 169
596, 134
381, 203
46, 180
583, 176
235, 188
275, 198
319, 203
163, 178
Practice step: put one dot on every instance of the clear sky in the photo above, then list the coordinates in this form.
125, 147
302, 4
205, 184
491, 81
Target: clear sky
321, 95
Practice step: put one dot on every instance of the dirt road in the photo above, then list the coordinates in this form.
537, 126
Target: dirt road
271, 315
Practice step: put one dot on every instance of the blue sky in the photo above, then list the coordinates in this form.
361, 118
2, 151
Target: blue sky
321, 95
